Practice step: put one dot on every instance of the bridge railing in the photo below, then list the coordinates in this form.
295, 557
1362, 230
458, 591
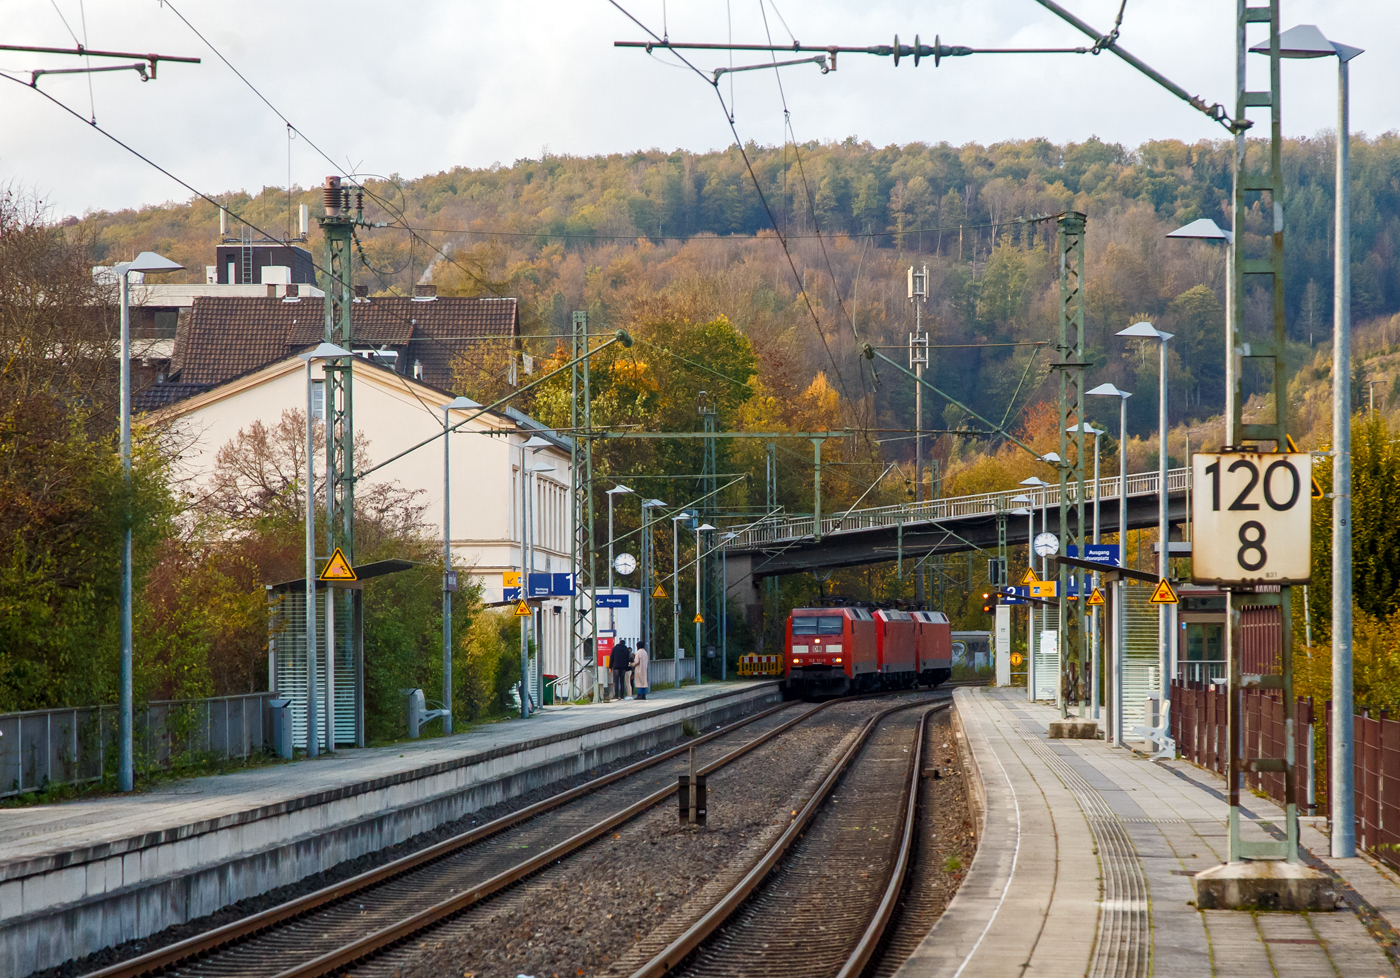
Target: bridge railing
952, 508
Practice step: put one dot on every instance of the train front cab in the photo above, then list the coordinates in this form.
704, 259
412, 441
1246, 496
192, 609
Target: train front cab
935, 647
830, 651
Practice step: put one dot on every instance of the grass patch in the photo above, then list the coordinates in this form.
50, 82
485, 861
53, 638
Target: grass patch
953, 864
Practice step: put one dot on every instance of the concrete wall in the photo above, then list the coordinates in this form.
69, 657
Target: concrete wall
57, 909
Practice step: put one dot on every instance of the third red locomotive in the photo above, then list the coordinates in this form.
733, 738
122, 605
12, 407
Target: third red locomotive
854, 650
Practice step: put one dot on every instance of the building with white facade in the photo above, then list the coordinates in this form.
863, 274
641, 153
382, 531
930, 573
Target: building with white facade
392, 413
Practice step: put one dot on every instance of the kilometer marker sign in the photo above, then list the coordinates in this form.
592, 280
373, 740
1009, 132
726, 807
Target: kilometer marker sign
1252, 517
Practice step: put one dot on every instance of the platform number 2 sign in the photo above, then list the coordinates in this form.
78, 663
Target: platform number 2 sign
1252, 518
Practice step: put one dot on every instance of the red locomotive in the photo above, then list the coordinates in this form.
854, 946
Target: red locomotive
852, 650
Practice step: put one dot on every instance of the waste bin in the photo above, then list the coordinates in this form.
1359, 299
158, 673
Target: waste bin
281, 712
549, 682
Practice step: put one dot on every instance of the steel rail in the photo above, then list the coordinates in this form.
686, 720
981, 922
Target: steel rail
230, 934
348, 954
219, 937
870, 940
677, 951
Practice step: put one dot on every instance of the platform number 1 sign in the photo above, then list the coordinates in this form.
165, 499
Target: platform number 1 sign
1252, 516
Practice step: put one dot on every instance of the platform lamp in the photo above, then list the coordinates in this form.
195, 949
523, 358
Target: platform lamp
1027, 508
1116, 673
676, 590
534, 443
1089, 429
1165, 636
1306, 41
612, 494
699, 660
449, 579
648, 562
326, 351
146, 262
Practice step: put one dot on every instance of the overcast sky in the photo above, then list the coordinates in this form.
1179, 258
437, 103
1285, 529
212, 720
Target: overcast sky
417, 87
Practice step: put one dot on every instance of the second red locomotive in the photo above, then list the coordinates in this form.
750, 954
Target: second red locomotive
853, 650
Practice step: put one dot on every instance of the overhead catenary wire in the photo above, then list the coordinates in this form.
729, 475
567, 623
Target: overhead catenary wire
763, 199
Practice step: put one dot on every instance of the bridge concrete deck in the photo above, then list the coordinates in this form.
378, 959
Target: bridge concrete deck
1084, 867
79, 876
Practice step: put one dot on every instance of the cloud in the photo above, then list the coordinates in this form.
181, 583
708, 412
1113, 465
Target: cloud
422, 87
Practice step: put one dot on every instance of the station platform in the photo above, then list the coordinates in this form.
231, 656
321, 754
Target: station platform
1084, 866
79, 876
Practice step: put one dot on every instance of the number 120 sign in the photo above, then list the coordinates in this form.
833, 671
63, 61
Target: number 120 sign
1252, 516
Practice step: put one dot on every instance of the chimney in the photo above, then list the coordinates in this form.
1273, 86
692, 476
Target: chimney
417, 369
425, 292
271, 290
362, 292
293, 291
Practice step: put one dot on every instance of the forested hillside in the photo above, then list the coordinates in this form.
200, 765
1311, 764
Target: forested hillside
617, 233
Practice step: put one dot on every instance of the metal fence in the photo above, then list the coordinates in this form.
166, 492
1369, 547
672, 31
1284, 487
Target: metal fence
1376, 760
954, 507
666, 670
1198, 716
39, 748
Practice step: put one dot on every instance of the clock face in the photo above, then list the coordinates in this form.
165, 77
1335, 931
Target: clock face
625, 563
1047, 544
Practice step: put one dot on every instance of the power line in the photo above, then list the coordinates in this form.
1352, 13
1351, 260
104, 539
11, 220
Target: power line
763, 199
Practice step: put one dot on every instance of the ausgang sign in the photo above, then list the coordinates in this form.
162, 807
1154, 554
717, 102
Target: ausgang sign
1252, 518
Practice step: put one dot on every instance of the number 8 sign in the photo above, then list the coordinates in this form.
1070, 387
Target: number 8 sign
1252, 518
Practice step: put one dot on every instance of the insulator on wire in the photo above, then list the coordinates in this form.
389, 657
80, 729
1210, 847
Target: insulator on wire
359, 200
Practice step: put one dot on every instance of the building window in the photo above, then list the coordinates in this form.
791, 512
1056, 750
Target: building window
318, 400
166, 321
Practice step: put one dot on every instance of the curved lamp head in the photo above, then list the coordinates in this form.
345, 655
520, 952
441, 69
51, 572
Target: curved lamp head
703, 526
1087, 428
618, 491
326, 351
1035, 481
460, 404
1203, 230
1022, 498
1144, 331
652, 503
148, 261
536, 442
1108, 390
1306, 41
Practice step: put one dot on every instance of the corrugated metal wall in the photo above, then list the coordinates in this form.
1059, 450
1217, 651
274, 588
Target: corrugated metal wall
290, 622
1140, 653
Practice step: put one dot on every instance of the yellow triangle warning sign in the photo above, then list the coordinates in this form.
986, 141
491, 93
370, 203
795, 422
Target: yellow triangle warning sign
1164, 594
1316, 488
338, 569
1292, 445
522, 610
699, 619
1096, 597
1030, 577
660, 592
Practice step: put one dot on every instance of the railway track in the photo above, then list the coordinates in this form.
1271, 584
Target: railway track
818, 902
324, 932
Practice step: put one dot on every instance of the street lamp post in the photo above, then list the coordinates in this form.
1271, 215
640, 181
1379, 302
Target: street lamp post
1115, 715
676, 592
147, 261
1166, 640
1303, 42
648, 563
699, 554
1032, 638
449, 580
537, 687
724, 606
1093, 613
534, 443
326, 351
613, 493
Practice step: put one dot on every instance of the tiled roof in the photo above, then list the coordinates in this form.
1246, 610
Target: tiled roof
227, 336
157, 396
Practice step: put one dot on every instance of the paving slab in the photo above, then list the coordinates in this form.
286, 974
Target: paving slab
1084, 864
85, 874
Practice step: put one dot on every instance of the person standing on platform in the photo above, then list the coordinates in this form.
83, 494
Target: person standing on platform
621, 662
639, 671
